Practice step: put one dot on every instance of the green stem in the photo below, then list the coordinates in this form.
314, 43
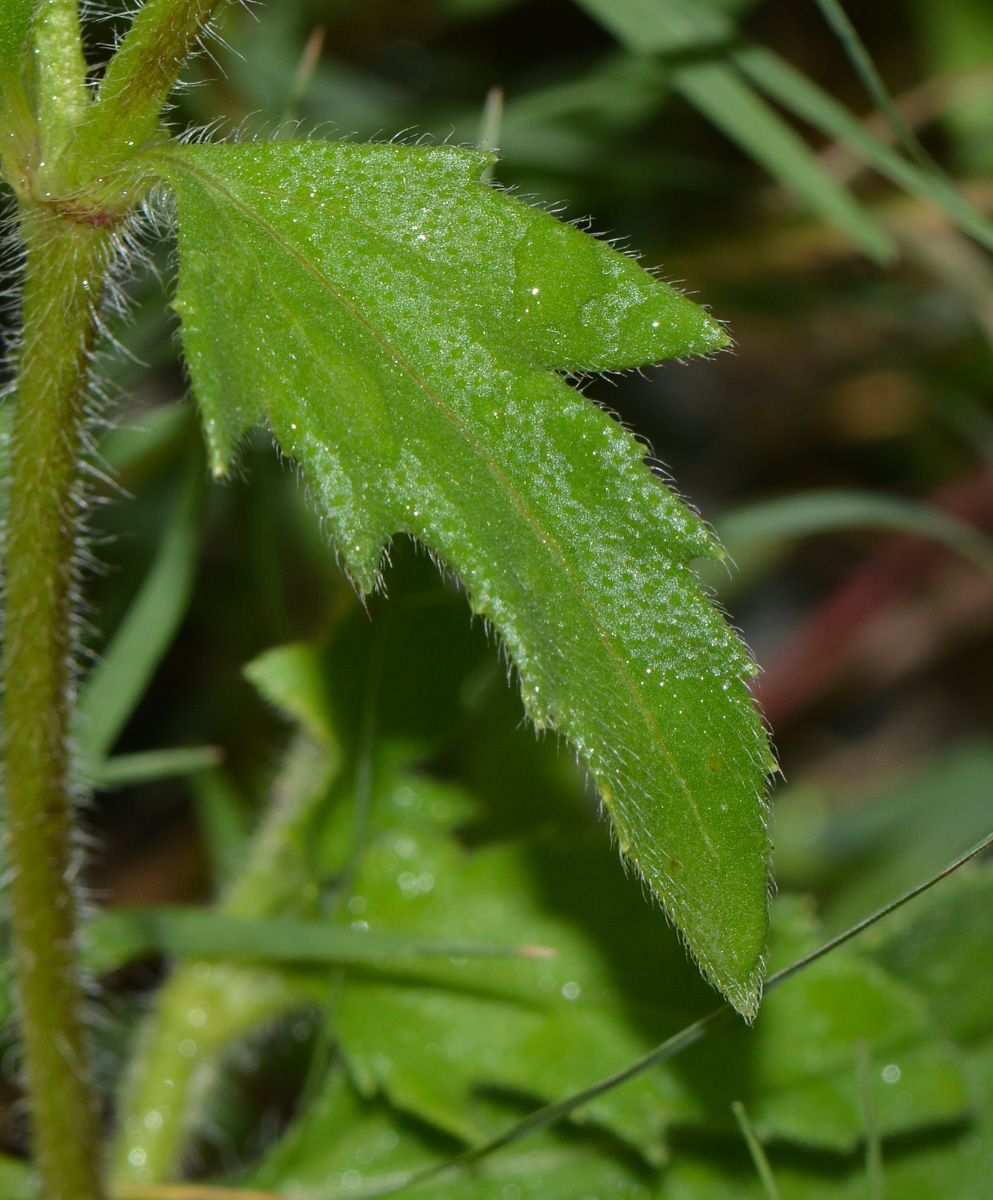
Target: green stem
138, 81
204, 1006
63, 96
65, 266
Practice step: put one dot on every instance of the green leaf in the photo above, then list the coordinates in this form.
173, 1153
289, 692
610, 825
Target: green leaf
345, 1144
15, 26
943, 947
341, 1132
291, 679
399, 323
958, 1164
613, 992
431, 1040
953, 1161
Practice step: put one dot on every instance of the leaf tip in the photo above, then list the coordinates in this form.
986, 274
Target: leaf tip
713, 335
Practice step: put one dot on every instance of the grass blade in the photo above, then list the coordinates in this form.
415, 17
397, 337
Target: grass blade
795, 92
755, 1149
116, 936
875, 1186
833, 510
116, 686
672, 27
861, 60
730, 103
661, 26
123, 770
716, 89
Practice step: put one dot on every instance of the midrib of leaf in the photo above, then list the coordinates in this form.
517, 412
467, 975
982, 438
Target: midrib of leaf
492, 536
545, 536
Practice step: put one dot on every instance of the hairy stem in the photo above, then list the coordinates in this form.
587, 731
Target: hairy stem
138, 81
61, 85
65, 265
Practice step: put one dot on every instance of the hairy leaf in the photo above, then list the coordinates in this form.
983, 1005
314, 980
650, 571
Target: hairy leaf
399, 322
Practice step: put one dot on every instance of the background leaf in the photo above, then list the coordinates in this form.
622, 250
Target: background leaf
15, 25
398, 321
943, 947
538, 1029
17, 1181
346, 1142
115, 686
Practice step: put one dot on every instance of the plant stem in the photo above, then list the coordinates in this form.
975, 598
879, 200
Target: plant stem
65, 266
62, 93
138, 80
205, 1005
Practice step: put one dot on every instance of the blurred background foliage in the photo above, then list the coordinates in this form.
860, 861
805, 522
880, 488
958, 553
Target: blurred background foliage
844, 450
